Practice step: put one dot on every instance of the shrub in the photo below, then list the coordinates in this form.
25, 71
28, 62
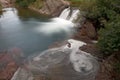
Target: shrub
106, 16
24, 3
109, 36
109, 39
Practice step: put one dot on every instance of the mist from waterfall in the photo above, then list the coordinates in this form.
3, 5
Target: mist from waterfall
56, 25
63, 23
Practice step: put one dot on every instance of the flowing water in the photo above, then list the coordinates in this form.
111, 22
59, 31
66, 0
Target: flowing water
70, 14
30, 31
33, 33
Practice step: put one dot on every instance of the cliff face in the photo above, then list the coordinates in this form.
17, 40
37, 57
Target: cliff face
51, 7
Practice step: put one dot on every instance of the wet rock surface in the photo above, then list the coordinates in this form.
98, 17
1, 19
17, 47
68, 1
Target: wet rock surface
63, 63
9, 63
86, 32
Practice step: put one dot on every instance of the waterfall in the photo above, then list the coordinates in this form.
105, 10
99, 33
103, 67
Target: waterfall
67, 17
56, 25
70, 14
65, 13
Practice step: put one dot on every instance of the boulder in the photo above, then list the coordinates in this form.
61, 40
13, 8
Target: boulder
52, 7
86, 33
89, 30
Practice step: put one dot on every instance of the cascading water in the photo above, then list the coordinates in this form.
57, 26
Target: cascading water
56, 25
70, 14
65, 13
63, 23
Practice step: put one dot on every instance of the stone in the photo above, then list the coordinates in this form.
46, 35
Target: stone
52, 7
89, 30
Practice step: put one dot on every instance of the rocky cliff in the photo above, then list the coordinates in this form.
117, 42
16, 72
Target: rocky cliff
50, 7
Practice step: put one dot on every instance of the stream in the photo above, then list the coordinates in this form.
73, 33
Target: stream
30, 31
34, 33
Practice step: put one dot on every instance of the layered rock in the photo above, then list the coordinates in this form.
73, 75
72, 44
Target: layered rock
52, 7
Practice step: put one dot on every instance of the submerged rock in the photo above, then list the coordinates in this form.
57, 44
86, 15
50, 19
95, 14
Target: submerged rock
63, 63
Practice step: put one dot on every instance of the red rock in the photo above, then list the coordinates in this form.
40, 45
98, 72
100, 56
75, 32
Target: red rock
86, 33
8, 64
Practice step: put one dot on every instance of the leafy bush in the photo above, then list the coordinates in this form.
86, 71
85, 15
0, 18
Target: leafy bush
109, 36
109, 39
34, 3
24, 3
85, 5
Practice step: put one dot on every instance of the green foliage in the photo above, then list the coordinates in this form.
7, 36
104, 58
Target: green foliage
109, 39
106, 15
85, 5
34, 3
109, 36
24, 3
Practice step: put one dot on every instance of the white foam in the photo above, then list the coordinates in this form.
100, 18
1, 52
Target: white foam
70, 14
65, 13
56, 25
78, 58
9, 15
74, 15
75, 44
